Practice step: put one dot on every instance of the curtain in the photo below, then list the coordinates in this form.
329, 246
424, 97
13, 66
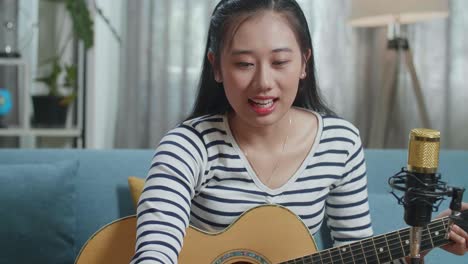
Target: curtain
165, 41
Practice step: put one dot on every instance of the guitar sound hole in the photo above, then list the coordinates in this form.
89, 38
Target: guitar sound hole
242, 262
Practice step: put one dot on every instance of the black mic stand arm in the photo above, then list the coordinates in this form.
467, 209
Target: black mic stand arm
425, 194
455, 205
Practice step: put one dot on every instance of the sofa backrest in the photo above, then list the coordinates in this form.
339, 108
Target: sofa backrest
103, 195
101, 182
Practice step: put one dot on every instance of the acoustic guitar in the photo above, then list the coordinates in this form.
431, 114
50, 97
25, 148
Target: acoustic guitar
264, 235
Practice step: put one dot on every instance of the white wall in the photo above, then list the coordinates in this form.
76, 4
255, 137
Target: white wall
103, 71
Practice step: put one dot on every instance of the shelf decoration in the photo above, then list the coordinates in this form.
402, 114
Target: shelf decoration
5, 106
8, 30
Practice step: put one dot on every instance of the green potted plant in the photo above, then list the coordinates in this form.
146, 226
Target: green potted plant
50, 110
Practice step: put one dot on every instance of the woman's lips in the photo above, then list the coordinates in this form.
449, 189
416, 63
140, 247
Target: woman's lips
263, 106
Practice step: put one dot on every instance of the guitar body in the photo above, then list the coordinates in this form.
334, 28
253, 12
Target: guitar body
270, 234
263, 235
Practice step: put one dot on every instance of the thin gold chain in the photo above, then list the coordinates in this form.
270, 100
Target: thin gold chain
278, 161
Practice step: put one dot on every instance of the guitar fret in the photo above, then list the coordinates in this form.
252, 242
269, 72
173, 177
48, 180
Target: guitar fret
293, 261
358, 253
403, 248
395, 245
428, 231
351, 253
426, 239
316, 258
304, 260
446, 227
346, 254
438, 233
308, 260
363, 252
369, 251
406, 241
379, 249
329, 257
338, 259
375, 249
388, 247
321, 259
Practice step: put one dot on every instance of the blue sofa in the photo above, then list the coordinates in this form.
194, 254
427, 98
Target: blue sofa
101, 193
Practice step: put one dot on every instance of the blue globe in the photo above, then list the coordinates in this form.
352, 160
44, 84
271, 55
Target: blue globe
5, 102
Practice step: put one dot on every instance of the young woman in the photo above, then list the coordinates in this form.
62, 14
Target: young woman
259, 134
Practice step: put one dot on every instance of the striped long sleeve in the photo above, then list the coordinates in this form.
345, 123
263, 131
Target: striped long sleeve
164, 208
347, 204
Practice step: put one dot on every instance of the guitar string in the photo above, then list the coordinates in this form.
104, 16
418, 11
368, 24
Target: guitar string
350, 259
337, 252
353, 259
360, 258
390, 246
433, 227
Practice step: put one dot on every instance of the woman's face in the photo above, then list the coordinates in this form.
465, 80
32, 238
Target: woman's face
260, 69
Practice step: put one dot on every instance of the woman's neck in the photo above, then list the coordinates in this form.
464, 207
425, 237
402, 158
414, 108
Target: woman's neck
264, 137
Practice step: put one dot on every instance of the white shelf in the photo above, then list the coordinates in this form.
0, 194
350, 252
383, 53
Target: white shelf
41, 132
12, 61
27, 65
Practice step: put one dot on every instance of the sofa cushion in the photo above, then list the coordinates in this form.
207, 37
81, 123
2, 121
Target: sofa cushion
135, 185
37, 212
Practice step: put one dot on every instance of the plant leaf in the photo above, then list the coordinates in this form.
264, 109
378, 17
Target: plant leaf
51, 79
82, 23
70, 76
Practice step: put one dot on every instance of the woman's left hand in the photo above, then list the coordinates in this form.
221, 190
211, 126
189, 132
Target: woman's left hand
459, 246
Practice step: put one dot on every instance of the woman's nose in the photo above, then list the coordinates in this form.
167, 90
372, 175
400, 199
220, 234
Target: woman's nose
264, 78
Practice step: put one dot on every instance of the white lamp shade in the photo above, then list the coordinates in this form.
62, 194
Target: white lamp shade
373, 13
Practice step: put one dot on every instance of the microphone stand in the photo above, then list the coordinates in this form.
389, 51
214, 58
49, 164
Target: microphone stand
423, 195
397, 47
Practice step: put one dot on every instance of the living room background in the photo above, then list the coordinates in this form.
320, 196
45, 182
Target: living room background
137, 88
165, 44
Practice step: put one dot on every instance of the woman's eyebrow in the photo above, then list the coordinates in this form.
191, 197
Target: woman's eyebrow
282, 50
242, 52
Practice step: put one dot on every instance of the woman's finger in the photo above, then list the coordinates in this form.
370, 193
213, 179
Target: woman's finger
459, 231
459, 241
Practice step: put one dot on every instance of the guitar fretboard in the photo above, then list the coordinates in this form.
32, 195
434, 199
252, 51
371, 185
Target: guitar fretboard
379, 249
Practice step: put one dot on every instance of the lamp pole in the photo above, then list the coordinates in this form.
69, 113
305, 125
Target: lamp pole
397, 46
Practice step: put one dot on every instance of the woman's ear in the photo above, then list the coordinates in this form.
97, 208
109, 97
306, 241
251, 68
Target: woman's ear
306, 58
214, 65
307, 55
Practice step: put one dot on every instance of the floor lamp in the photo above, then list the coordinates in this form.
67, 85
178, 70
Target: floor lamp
393, 13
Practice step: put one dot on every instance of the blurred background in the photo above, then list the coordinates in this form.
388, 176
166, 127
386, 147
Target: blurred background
119, 73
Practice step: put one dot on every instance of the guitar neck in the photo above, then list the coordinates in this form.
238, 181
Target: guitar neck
382, 248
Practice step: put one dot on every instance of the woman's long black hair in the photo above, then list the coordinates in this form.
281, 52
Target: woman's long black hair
211, 98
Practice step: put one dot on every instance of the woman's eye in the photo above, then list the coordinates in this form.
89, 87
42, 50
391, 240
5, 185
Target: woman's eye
244, 64
280, 63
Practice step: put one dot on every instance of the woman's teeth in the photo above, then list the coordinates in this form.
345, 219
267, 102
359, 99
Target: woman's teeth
263, 103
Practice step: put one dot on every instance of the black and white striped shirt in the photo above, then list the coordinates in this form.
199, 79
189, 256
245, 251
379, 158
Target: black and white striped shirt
200, 177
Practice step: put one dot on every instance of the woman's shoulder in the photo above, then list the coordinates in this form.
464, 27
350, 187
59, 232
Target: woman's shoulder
193, 135
199, 126
328, 121
336, 123
201, 121
204, 118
